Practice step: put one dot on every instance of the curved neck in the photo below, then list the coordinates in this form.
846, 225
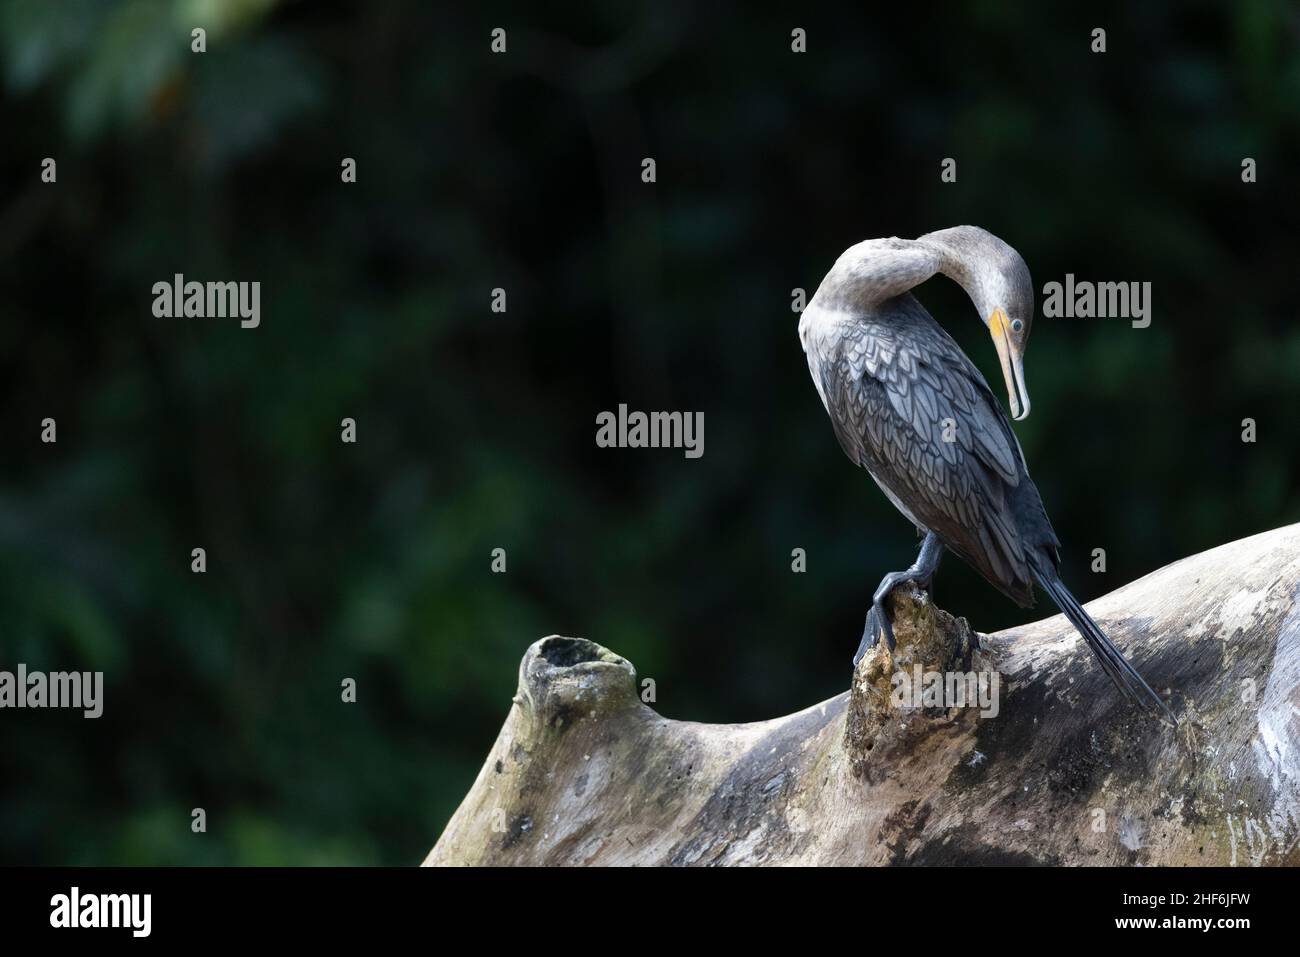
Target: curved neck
964, 258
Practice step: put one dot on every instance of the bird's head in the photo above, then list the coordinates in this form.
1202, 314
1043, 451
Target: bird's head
1009, 314
997, 280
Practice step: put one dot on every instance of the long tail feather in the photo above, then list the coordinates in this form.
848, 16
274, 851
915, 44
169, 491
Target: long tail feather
1116, 666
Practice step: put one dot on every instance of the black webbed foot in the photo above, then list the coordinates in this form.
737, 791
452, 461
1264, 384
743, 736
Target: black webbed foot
879, 621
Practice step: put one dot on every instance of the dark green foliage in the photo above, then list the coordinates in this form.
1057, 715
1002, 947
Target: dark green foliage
522, 171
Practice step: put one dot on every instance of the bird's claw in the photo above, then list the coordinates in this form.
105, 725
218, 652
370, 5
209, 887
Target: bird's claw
878, 623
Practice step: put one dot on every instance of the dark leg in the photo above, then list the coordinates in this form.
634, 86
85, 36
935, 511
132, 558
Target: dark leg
921, 572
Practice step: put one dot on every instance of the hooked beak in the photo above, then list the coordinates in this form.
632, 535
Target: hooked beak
1013, 369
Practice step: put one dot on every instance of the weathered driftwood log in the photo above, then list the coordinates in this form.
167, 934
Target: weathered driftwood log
1064, 773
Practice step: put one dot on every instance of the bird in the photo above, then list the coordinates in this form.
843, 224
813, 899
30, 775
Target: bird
909, 407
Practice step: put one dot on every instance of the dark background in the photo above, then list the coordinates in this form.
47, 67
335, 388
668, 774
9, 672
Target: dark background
476, 430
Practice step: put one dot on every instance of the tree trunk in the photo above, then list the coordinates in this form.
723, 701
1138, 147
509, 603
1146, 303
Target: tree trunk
1055, 768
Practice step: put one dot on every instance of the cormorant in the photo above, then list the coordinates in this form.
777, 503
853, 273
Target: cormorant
909, 407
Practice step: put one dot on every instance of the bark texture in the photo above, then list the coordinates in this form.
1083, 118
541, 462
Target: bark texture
1065, 772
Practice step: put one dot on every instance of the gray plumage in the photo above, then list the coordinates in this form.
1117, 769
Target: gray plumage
908, 406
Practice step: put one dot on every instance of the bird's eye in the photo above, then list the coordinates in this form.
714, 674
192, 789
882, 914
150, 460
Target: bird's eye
1016, 325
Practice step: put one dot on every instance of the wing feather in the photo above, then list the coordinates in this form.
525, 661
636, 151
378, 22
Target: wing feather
911, 408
